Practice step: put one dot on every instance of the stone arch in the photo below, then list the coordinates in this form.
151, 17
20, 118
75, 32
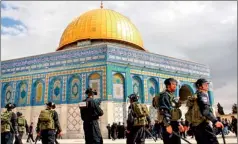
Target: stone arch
74, 91
95, 82
21, 93
118, 82
137, 86
55, 90
38, 90
152, 88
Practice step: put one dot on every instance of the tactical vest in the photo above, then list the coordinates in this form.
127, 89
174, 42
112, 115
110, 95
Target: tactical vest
194, 115
46, 120
176, 113
6, 121
141, 112
21, 124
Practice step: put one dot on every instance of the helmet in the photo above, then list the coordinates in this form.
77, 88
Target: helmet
10, 106
53, 106
133, 97
169, 80
200, 81
90, 91
19, 113
50, 104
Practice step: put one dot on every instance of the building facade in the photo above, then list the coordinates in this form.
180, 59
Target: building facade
110, 60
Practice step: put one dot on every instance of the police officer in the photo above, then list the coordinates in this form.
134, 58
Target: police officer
22, 126
9, 125
203, 132
167, 104
57, 132
135, 133
47, 124
90, 113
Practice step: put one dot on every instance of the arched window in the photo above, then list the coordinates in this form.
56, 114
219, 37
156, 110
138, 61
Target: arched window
74, 89
118, 86
152, 88
8, 94
162, 85
137, 87
95, 83
55, 90
39, 91
21, 97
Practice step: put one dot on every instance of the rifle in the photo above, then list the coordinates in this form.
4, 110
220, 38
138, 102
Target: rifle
37, 138
17, 141
150, 134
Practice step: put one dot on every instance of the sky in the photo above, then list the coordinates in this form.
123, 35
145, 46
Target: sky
204, 32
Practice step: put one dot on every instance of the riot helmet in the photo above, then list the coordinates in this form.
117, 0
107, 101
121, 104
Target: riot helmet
200, 81
133, 97
10, 106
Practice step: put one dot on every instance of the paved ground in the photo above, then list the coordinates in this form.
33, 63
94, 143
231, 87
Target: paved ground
231, 139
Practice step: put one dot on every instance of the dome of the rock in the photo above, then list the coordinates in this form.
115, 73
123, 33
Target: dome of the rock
102, 24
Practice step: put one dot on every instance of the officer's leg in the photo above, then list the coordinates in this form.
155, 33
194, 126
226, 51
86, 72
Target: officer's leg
175, 139
3, 138
51, 137
20, 137
8, 138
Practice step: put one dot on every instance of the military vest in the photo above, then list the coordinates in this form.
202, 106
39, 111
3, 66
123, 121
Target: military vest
141, 111
194, 115
175, 112
46, 121
21, 124
6, 121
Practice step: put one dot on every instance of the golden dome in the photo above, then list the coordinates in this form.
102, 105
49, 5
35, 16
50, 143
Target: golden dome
101, 24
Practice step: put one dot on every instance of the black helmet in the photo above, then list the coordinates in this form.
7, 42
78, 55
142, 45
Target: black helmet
53, 106
133, 97
200, 81
169, 80
50, 104
19, 113
10, 106
90, 91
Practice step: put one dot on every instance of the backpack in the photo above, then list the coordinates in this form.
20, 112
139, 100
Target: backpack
6, 121
155, 101
21, 124
21, 121
141, 112
46, 120
194, 115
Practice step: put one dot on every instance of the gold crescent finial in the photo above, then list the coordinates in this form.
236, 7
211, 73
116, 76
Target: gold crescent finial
101, 5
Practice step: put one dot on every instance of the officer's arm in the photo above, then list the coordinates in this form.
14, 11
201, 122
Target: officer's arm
98, 110
204, 106
26, 126
38, 126
164, 106
148, 119
57, 123
14, 123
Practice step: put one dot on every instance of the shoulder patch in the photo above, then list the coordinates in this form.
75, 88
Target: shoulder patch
205, 99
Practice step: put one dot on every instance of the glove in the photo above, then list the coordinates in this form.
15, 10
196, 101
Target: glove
219, 124
169, 129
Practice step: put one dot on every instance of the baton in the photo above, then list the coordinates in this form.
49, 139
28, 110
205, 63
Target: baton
181, 137
223, 137
150, 134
